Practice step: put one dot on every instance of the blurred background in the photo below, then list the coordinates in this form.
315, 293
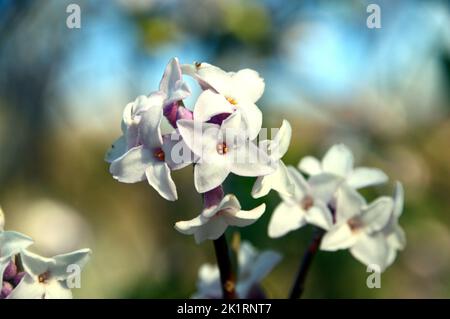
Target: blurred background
384, 92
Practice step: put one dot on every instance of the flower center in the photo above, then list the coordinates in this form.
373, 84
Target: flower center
159, 155
222, 148
231, 100
355, 224
307, 202
42, 278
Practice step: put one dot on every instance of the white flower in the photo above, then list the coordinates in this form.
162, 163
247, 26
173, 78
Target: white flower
214, 220
172, 84
279, 180
47, 278
222, 150
307, 205
339, 161
11, 243
394, 234
171, 89
151, 157
240, 89
131, 119
253, 267
359, 227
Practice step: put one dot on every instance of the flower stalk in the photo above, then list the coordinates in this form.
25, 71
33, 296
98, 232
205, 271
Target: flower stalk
299, 285
227, 277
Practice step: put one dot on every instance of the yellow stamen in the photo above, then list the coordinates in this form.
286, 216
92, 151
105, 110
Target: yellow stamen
231, 101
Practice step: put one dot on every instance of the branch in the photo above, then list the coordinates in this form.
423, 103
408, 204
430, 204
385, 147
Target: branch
227, 278
299, 284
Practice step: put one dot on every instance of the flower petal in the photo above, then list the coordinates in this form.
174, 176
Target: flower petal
201, 138
310, 165
229, 203
172, 83
376, 215
210, 104
324, 186
28, 288
319, 215
338, 237
202, 228
244, 218
176, 152
210, 174
130, 167
252, 117
247, 84
11, 243
285, 218
399, 195
349, 203
149, 126
158, 176
338, 160
278, 181
371, 250
60, 269
362, 176
117, 149
280, 143
249, 160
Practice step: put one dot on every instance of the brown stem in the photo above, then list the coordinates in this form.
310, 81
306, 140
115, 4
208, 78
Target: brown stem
227, 279
299, 284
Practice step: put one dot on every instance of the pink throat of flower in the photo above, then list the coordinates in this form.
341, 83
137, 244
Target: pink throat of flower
222, 148
159, 155
307, 202
355, 224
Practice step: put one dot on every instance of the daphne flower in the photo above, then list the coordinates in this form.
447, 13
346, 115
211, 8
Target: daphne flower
222, 150
253, 267
47, 278
240, 89
279, 180
11, 243
131, 120
214, 220
307, 205
339, 161
359, 227
150, 159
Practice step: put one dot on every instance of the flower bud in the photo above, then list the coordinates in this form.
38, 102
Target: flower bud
10, 271
6, 290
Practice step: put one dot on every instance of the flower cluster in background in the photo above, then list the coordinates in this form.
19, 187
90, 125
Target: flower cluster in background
26, 275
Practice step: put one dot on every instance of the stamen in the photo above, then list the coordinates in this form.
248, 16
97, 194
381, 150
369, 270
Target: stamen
42, 278
231, 101
159, 155
355, 224
307, 202
222, 148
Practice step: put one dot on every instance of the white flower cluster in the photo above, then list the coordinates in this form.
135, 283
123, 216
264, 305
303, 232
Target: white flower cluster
329, 199
25, 275
217, 137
